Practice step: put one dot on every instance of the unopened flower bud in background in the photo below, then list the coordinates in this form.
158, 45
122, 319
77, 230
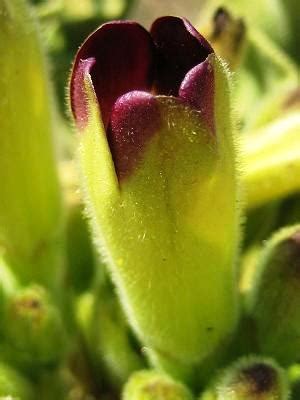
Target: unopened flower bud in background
152, 385
33, 334
274, 299
252, 378
159, 177
227, 34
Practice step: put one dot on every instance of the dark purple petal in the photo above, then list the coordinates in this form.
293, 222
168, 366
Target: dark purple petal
179, 48
123, 53
135, 118
198, 89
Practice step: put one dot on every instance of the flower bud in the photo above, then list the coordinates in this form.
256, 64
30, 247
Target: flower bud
13, 386
152, 385
253, 378
33, 331
274, 300
157, 162
227, 35
30, 208
270, 16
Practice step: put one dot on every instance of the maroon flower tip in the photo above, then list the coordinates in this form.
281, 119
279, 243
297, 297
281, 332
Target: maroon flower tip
134, 119
179, 48
197, 89
78, 96
123, 53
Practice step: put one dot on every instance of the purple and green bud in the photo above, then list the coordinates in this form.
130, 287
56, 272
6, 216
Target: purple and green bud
274, 299
152, 385
159, 177
14, 386
33, 331
249, 378
30, 207
253, 378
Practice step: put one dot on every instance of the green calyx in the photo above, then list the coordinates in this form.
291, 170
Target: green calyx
170, 231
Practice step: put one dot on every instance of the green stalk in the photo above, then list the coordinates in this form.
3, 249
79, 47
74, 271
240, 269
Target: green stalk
30, 204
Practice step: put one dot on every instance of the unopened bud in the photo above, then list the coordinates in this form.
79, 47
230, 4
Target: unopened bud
34, 334
227, 36
274, 300
252, 379
152, 385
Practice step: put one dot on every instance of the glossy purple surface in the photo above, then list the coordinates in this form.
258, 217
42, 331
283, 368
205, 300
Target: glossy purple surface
197, 89
134, 119
179, 47
124, 55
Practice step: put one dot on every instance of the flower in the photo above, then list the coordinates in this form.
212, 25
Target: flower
158, 174
129, 67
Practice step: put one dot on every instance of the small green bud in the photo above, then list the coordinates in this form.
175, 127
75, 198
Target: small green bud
274, 299
30, 207
33, 330
13, 386
253, 378
152, 385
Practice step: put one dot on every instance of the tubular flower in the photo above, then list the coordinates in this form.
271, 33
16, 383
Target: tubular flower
159, 177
